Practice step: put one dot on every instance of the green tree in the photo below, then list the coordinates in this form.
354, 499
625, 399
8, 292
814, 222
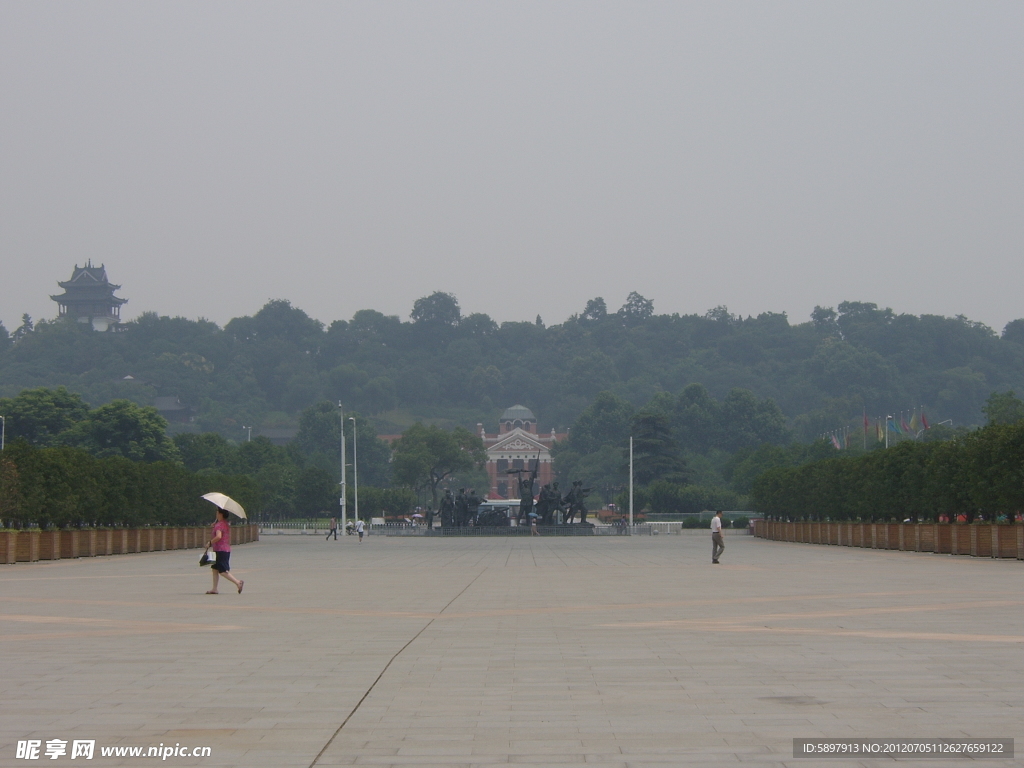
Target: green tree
208, 450
595, 310
23, 330
319, 444
39, 416
656, 454
426, 455
315, 492
1004, 408
637, 309
437, 309
122, 428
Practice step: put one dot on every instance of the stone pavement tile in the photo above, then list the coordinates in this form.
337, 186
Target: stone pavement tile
537, 661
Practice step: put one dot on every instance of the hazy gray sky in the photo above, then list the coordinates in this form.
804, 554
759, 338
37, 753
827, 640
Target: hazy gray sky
524, 156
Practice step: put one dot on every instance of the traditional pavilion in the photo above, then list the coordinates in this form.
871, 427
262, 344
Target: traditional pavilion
517, 445
89, 298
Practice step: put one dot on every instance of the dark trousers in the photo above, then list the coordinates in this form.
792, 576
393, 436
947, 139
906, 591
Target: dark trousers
334, 531
717, 545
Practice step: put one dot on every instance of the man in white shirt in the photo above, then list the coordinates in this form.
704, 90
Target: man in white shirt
359, 530
717, 544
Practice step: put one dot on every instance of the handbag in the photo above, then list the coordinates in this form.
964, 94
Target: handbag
206, 559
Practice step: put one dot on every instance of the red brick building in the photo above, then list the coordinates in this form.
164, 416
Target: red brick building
517, 445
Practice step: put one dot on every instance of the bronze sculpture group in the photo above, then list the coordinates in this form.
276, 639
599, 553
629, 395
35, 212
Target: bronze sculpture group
458, 511
462, 509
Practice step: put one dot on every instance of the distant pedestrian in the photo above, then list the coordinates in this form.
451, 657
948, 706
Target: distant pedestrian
717, 544
359, 530
334, 529
220, 542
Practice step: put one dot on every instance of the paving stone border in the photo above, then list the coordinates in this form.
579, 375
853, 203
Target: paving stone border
979, 540
30, 546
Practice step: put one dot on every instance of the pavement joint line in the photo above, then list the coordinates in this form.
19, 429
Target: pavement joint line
491, 613
390, 661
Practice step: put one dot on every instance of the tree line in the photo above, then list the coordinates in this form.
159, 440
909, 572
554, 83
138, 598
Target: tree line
443, 366
56, 429
63, 487
978, 475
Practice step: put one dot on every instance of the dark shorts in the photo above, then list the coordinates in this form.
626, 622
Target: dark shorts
223, 560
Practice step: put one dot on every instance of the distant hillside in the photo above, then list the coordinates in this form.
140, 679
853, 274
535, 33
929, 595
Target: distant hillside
441, 365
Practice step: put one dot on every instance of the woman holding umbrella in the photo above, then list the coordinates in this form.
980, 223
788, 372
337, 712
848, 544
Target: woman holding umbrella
220, 541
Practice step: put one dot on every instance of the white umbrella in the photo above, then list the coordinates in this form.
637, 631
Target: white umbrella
226, 503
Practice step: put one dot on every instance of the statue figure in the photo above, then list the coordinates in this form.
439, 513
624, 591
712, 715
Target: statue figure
526, 492
447, 510
575, 502
473, 505
570, 503
549, 503
461, 509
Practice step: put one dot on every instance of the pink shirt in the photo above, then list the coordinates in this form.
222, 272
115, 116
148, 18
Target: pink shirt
224, 545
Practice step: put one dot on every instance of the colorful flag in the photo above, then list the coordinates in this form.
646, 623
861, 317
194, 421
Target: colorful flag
894, 426
866, 423
914, 422
878, 431
903, 424
924, 421
835, 442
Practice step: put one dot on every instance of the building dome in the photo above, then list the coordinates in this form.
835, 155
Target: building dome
520, 412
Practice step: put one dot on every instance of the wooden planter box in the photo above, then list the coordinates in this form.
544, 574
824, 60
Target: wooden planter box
69, 543
119, 545
159, 539
981, 540
928, 537
1004, 540
134, 540
87, 543
961, 535
104, 542
943, 538
49, 545
8, 547
171, 538
28, 546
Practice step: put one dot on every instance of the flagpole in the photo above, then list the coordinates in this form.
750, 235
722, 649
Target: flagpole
631, 484
887, 431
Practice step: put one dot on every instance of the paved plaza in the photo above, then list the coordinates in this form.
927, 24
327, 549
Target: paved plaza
605, 651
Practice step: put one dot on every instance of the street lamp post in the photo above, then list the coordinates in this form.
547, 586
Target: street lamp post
3, 431
631, 484
344, 519
355, 464
249, 438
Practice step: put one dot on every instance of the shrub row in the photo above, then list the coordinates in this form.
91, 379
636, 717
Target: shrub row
69, 488
979, 475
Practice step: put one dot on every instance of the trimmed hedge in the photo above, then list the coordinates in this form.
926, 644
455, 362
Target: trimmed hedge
978, 475
67, 487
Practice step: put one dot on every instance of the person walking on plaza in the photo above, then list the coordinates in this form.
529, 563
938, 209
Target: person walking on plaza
359, 530
334, 529
220, 542
717, 544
